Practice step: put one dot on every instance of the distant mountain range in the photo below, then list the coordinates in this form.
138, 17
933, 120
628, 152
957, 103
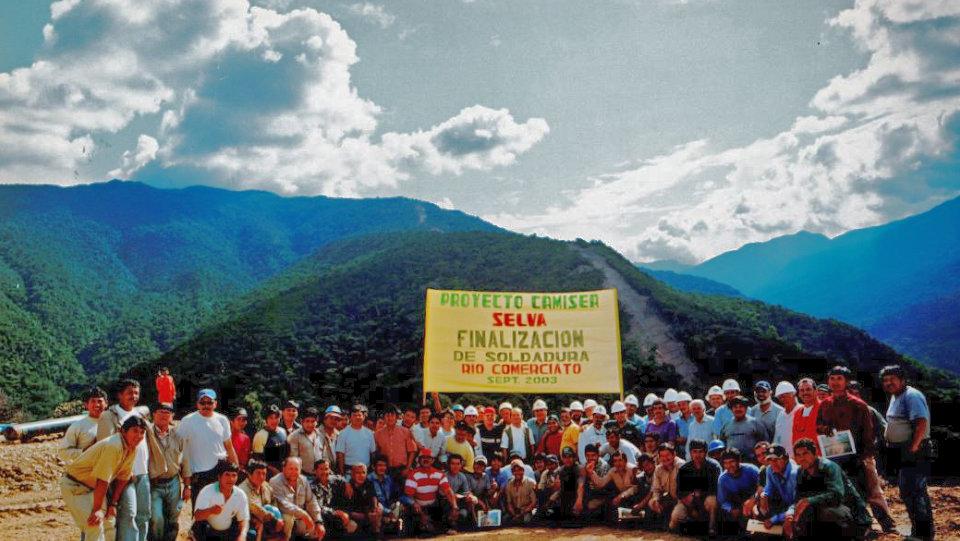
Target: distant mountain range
900, 281
95, 279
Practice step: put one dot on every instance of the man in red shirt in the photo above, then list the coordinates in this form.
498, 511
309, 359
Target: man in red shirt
422, 488
166, 390
241, 440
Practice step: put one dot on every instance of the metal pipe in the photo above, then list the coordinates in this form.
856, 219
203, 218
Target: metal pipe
26, 431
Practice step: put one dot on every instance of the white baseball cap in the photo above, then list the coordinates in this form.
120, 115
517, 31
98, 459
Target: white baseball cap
671, 396
684, 396
649, 399
617, 407
714, 390
576, 406
785, 387
600, 410
505, 406
731, 385
539, 405
631, 400
470, 411
590, 403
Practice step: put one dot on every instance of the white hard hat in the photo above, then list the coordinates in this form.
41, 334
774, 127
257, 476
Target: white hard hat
714, 390
649, 399
670, 396
684, 396
731, 385
631, 400
576, 405
784, 387
617, 407
600, 410
590, 403
470, 411
539, 405
505, 406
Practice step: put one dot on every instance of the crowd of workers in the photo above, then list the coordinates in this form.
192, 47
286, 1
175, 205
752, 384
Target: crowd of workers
724, 465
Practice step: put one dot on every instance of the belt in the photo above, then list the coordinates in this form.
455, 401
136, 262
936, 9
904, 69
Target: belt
75, 480
161, 482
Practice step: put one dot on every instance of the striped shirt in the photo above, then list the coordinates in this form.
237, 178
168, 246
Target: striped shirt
424, 483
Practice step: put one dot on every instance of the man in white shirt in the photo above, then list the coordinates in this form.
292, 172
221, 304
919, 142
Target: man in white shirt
517, 437
133, 511
207, 440
594, 434
222, 509
786, 393
83, 433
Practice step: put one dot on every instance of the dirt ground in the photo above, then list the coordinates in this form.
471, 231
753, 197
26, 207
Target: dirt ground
31, 508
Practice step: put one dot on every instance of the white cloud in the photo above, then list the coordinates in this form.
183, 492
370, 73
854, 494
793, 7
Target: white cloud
374, 13
834, 170
133, 161
245, 97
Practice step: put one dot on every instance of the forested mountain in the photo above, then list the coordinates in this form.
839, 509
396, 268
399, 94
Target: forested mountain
691, 283
352, 314
96, 278
899, 281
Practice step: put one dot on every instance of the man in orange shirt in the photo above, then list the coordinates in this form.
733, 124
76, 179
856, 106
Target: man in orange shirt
166, 390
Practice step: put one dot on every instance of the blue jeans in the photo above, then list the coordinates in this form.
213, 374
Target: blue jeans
133, 512
165, 511
912, 481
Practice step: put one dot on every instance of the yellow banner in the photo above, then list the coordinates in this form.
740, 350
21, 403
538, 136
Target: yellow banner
498, 342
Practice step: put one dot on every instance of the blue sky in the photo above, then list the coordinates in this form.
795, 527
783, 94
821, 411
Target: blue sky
668, 129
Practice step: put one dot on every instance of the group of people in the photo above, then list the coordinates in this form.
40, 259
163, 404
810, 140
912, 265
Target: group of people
714, 466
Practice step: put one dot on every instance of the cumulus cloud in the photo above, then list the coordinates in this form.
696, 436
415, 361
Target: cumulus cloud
374, 13
839, 168
245, 96
133, 161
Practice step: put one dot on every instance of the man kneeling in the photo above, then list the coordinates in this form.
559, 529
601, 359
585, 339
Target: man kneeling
222, 510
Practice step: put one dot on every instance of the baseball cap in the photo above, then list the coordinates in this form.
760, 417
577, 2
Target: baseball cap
785, 387
425, 451
731, 385
516, 463
311, 412
617, 407
207, 393
333, 410
823, 387
470, 411
740, 399
163, 406
481, 459
567, 451
763, 384
553, 458
456, 407
291, 404
489, 409
270, 410
240, 412
553, 417
631, 400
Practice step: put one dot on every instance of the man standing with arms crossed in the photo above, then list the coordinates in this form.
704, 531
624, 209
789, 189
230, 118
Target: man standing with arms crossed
908, 434
207, 440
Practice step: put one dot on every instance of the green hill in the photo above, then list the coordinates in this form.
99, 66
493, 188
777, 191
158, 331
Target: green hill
95, 279
347, 323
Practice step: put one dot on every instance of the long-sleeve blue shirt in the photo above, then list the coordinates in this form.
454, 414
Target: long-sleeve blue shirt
733, 490
385, 489
782, 489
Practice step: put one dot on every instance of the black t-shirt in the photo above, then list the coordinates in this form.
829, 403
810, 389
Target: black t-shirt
490, 440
